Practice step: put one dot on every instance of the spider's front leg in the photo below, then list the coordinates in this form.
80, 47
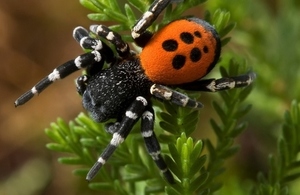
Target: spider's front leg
121, 46
81, 35
132, 115
81, 83
93, 61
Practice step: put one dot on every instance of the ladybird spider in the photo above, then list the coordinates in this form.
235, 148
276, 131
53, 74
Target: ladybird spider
178, 55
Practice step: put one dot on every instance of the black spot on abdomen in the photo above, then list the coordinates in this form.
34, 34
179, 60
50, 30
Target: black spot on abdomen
205, 49
178, 61
197, 34
170, 45
187, 37
195, 54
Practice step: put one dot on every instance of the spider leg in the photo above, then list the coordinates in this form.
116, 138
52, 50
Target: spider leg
132, 115
81, 83
93, 61
214, 85
121, 46
148, 17
165, 93
152, 144
60, 72
81, 35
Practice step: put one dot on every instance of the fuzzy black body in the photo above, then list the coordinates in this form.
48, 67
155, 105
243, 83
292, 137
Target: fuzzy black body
109, 92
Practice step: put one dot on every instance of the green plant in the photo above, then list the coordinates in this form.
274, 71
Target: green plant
131, 170
284, 167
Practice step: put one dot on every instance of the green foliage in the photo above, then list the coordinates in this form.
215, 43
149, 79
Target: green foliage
85, 139
269, 31
126, 17
229, 112
285, 167
268, 34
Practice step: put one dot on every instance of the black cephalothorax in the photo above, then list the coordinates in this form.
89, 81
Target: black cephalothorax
109, 92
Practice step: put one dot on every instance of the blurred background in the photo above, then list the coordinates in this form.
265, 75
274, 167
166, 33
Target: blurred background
36, 36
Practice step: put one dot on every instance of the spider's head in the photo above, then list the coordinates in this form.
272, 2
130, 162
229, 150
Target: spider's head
101, 98
96, 107
183, 51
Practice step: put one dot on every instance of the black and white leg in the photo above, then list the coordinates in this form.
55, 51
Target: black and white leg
148, 17
81, 83
93, 61
81, 35
113, 37
165, 93
132, 115
214, 85
60, 72
152, 144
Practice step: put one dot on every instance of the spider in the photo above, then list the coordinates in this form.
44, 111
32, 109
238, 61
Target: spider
178, 55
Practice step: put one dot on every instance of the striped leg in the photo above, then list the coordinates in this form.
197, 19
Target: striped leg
60, 72
81, 83
81, 35
152, 144
214, 85
113, 37
148, 17
93, 61
175, 97
132, 115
